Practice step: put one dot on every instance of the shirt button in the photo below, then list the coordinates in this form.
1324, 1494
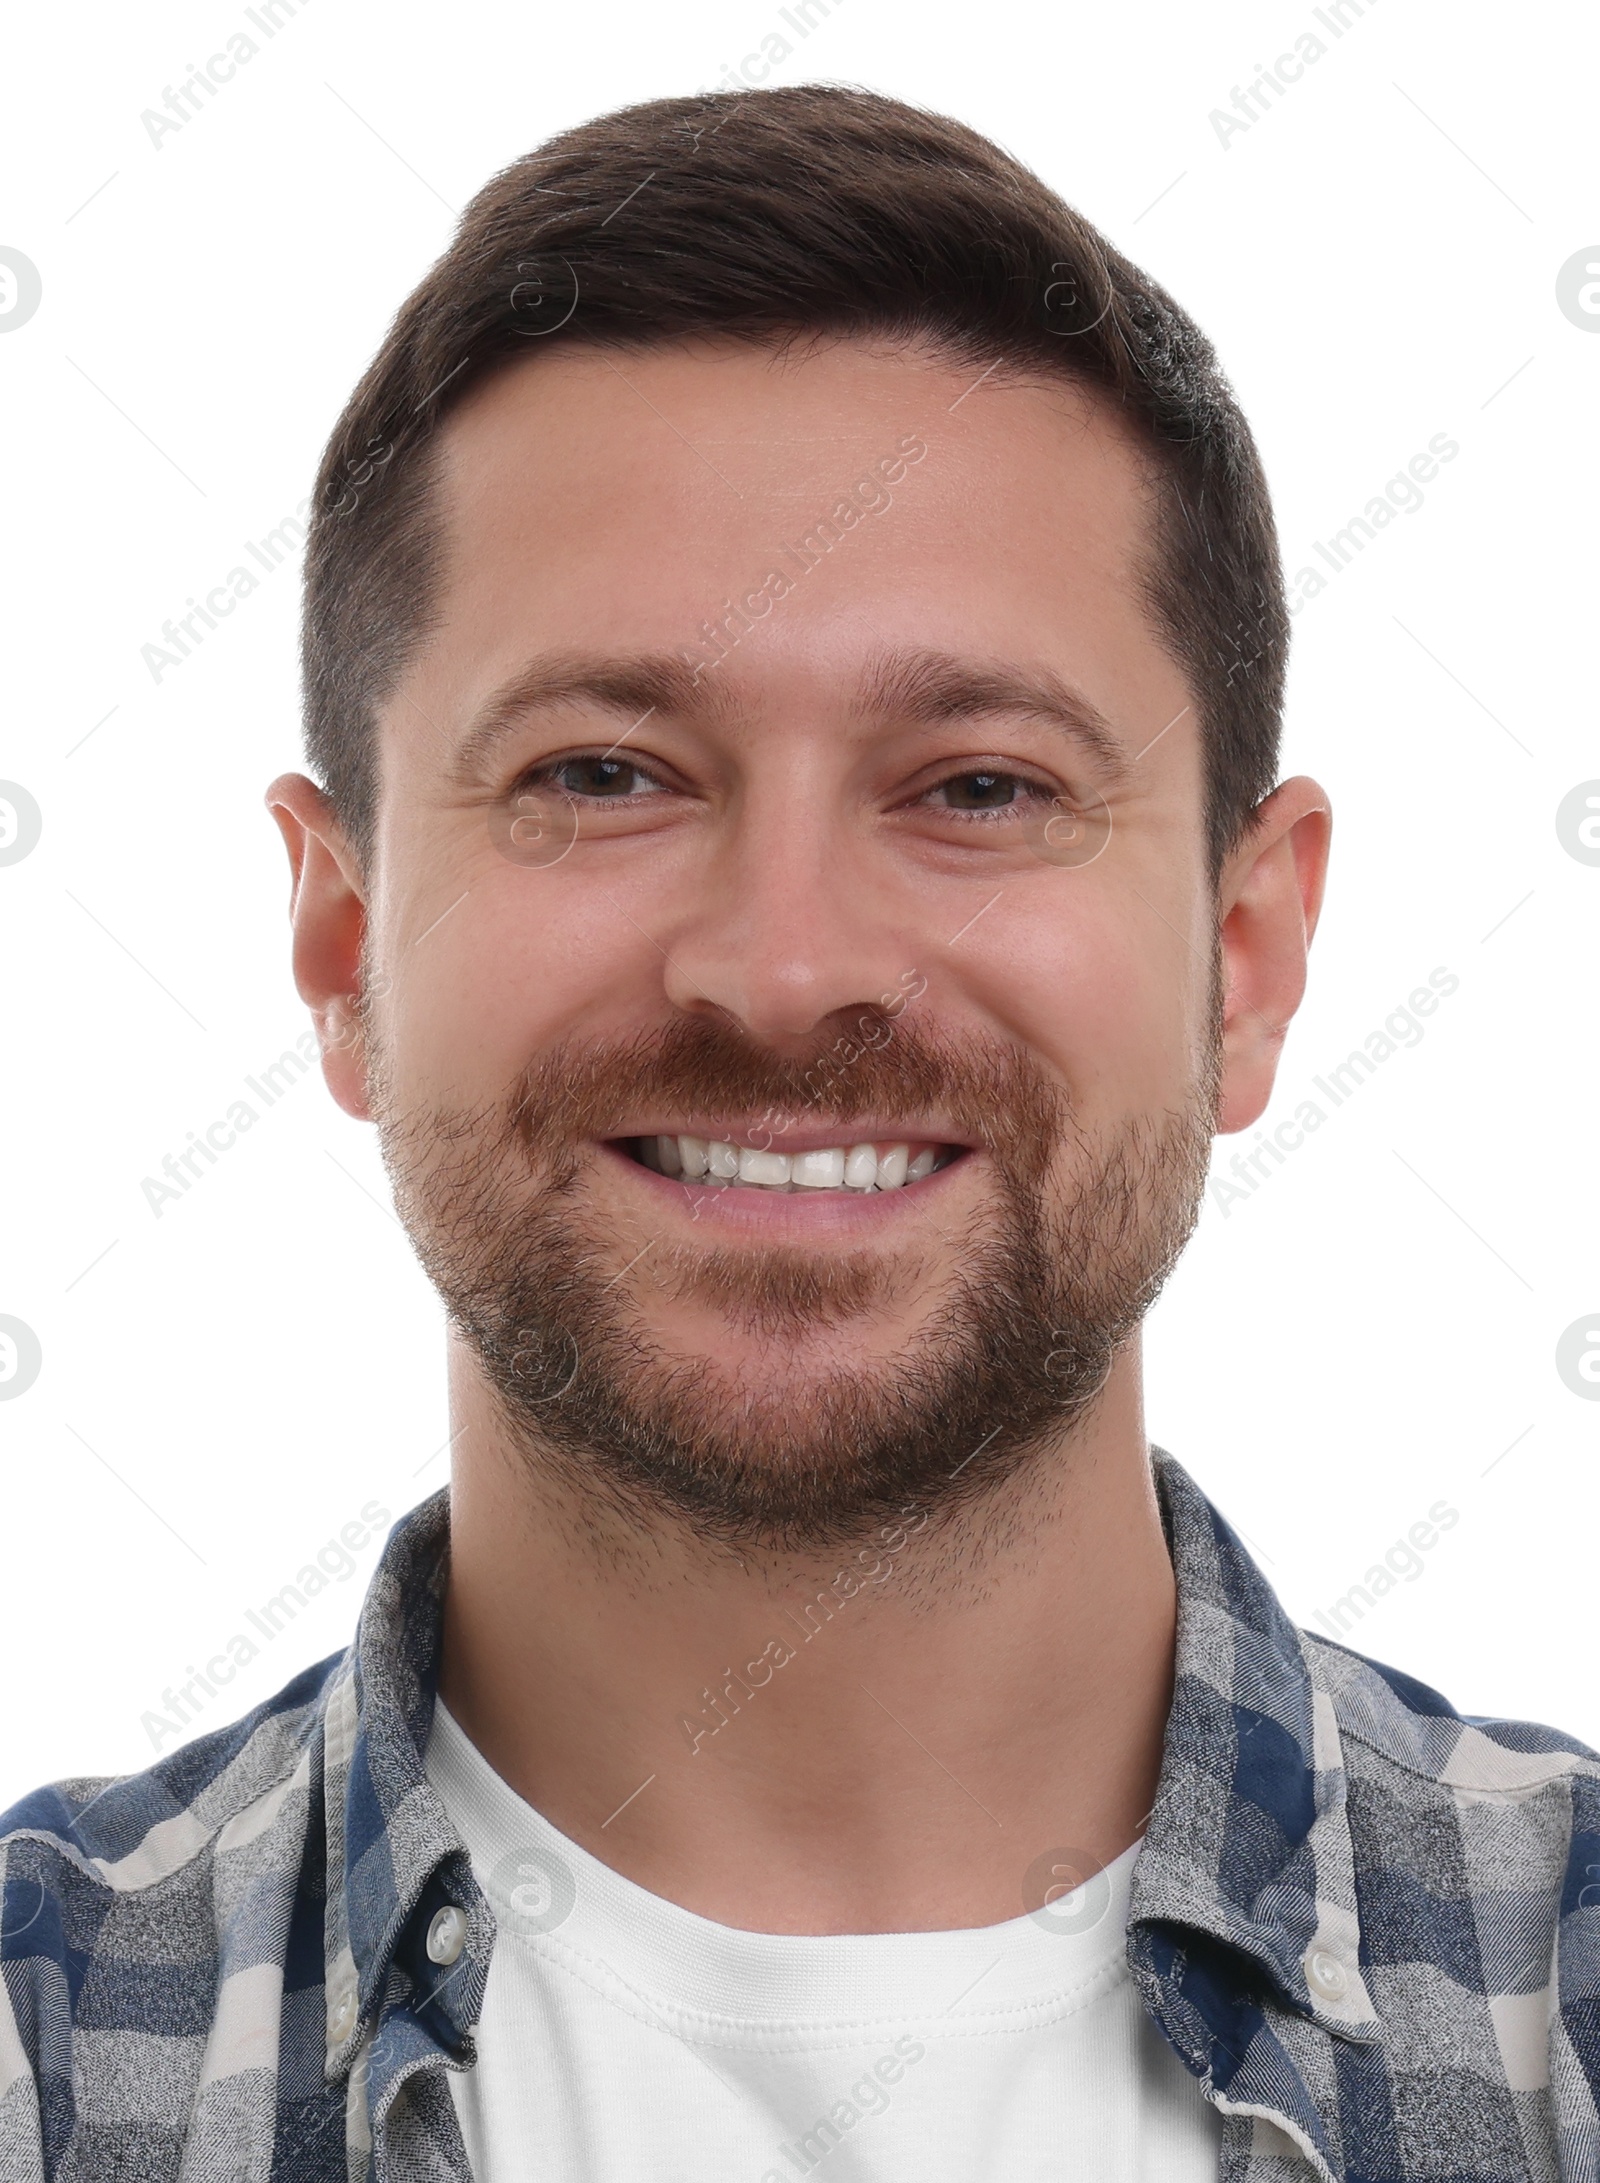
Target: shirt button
342, 2016
1325, 1974
447, 1935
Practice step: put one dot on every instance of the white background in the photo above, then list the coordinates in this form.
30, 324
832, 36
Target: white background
1370, 1332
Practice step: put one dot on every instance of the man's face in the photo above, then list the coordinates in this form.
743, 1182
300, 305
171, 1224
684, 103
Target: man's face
795, 784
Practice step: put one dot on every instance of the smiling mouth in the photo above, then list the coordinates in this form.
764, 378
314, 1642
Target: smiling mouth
856, 1169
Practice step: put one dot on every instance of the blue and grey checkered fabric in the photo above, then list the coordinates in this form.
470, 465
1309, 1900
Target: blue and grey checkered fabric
1370, 1926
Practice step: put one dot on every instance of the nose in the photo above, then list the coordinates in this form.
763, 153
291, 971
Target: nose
788, 926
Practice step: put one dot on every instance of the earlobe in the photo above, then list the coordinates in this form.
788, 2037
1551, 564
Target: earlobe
327, 911
1270, 898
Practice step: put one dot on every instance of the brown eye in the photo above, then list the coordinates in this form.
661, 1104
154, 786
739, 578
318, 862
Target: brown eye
608, 779
980, 791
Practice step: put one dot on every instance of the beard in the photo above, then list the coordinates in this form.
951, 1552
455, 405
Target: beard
818, 1443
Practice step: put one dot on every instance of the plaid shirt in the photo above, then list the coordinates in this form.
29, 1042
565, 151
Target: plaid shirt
1368, 1925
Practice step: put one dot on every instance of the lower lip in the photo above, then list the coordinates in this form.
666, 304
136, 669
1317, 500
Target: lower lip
811, 1215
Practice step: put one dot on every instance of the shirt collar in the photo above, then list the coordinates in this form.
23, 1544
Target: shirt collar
1243, 1929
1244, 1890
394, 1860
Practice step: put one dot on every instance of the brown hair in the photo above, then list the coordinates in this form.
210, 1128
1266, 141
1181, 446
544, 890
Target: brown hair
766, 215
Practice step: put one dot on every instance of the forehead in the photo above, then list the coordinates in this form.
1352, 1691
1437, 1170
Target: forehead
625, 502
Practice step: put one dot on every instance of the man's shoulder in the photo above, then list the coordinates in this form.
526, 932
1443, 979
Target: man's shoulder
124, 1834
1413, 1728
126, 1901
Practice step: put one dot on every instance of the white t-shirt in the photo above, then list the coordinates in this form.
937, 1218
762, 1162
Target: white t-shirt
623, 2037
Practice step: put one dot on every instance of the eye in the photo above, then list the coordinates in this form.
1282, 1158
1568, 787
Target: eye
984, 789
598, 780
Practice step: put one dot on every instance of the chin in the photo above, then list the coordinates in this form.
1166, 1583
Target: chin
787, 1311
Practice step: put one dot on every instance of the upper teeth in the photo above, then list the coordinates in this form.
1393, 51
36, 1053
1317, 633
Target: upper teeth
835, 1167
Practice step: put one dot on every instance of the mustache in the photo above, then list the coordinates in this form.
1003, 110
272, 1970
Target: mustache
862, 1065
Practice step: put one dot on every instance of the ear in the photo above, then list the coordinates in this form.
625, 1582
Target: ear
1269, 899
327, 910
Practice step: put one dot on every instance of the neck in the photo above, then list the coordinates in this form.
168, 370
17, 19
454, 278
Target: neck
772, 1749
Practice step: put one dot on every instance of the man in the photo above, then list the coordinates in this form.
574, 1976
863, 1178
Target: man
794, 647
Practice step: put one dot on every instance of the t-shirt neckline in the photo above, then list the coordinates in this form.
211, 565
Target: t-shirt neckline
551, 1896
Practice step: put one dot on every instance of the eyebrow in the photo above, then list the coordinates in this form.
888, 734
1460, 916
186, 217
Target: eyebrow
927, 688
631, 687
911, 685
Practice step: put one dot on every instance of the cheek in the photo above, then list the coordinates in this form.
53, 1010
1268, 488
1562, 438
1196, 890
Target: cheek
1097, 983
522, 960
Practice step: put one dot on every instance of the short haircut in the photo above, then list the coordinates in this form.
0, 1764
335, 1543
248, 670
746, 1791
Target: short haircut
812, 210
